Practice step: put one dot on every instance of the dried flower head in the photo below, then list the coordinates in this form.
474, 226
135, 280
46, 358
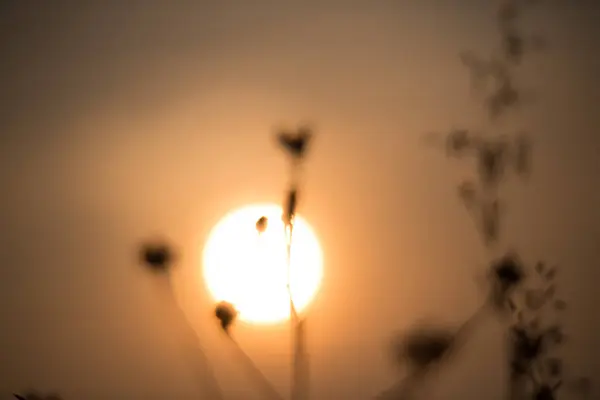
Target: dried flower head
157, 256
295, 143
526, 345
423, 347
226, 314
261, 224
506, 274
508, 271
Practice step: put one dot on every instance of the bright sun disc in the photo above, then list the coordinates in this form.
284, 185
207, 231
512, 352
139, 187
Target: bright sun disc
249, 270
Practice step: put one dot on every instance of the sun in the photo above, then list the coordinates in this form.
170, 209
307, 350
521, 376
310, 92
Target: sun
249, 269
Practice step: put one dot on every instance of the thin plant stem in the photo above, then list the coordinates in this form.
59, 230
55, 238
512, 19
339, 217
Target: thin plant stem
404, 388
255, 374
200, 364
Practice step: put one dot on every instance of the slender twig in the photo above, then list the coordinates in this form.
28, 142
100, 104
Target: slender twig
255, 373
295, 145
201, 364
405, 387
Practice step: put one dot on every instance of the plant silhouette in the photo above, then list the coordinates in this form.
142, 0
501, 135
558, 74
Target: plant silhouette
523, 297
254, 373
534, 369
158, 257
226, 314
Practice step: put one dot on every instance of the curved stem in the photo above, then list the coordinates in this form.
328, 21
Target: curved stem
199, 364
404, 388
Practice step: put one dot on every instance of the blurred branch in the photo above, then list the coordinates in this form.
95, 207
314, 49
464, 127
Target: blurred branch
425, 349
255, 373
158, 257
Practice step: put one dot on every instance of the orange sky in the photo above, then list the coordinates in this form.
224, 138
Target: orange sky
123, 121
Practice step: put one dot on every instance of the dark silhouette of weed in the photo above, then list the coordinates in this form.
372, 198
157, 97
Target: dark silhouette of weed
158, 257
226, 314
295, 143
254, 373
534, 370
423, 349
262, 224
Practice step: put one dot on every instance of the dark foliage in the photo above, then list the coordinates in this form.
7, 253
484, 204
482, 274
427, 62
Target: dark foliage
494, 78
532, 340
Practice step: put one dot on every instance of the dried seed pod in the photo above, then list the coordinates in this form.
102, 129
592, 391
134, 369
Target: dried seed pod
508, 271
158, 257
506, 275
262, 224
296, 143
226, 314
423, 347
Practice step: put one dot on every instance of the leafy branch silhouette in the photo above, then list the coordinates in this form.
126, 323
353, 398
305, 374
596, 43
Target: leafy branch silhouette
535, 369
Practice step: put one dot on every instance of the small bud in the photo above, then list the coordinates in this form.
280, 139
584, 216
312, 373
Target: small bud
261, 224
157, 257
226, 314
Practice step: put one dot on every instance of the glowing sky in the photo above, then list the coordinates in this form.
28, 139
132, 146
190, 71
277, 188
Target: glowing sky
123, 120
